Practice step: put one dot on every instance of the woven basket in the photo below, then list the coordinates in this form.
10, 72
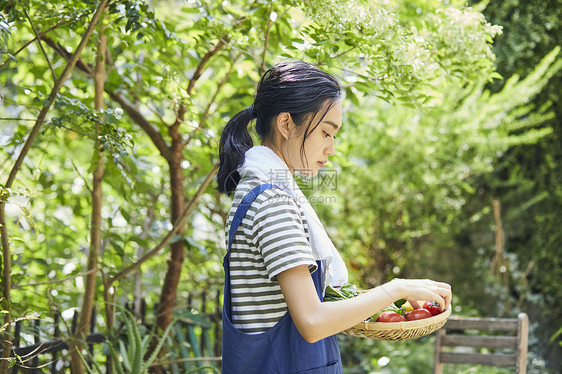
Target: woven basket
399, 330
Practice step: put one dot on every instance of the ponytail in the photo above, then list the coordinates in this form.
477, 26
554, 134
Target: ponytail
235, 141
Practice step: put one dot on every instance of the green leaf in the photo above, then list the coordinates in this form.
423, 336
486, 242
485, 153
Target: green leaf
189, 10
124, 356
352, 96
126, 215
158, 347
116, 360
555, 335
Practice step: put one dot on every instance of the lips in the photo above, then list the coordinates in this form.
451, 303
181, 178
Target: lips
321, 164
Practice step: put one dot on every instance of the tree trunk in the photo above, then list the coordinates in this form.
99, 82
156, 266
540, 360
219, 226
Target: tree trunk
6, 344
168, 294
175, 260
96, 220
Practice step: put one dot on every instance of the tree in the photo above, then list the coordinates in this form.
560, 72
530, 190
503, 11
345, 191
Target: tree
421, 167
6, 255
531, 174
174, 77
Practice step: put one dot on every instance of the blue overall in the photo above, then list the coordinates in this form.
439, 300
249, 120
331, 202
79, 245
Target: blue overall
281, 349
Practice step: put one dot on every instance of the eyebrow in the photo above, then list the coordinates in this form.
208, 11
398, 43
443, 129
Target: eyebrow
334, 125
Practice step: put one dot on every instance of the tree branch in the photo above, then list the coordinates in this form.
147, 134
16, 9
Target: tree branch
40, 35
344, 52
16, 119
58, 85
211, 102
140, 120
266, 38
127, 106
54, 281
177, 225
180, 114
18, 104
81, 176
155, 111
39, 42
200, 67
80, 64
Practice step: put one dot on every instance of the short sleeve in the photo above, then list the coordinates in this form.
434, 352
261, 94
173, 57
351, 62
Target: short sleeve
280, 236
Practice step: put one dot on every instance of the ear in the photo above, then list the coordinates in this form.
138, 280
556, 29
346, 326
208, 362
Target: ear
284, 124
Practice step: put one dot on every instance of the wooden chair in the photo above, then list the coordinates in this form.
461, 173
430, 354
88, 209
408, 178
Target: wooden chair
506, 350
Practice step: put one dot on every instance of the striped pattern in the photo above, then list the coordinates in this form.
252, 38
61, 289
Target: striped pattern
272, 237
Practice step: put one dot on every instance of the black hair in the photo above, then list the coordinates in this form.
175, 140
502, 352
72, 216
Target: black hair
295, 87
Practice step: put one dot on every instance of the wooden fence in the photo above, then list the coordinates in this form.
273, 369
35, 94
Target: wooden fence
194, 342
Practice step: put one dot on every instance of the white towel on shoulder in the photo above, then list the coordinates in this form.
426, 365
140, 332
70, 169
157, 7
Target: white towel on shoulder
264, 163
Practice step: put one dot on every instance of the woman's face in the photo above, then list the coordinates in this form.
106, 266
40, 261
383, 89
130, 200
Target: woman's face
318, 146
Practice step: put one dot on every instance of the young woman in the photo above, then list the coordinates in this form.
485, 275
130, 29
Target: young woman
279, 257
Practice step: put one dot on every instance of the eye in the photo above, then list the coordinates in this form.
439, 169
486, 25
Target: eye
328, 135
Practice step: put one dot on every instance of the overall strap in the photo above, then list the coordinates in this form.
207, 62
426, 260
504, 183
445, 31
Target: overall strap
236, 221
243, 209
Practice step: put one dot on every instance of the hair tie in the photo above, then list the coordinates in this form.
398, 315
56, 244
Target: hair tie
254, 113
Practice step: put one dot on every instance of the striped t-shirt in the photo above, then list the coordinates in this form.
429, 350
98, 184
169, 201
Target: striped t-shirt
272, 237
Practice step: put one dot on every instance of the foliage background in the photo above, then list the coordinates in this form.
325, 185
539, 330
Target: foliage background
432, 137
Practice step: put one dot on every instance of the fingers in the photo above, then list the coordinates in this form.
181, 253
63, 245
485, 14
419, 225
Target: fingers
414, 303
443, 285
427, 289
441, 301
424, 289
443, 290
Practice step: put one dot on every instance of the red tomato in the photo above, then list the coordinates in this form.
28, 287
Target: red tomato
432, 306
390, 316
420, 313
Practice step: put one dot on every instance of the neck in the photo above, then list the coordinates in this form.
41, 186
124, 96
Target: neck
275, 149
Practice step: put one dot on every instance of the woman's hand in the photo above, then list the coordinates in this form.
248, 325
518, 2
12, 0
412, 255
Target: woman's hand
420, 289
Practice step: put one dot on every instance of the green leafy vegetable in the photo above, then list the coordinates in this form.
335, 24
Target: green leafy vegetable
341, 293
349, 291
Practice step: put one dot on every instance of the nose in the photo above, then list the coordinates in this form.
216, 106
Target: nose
331, 147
